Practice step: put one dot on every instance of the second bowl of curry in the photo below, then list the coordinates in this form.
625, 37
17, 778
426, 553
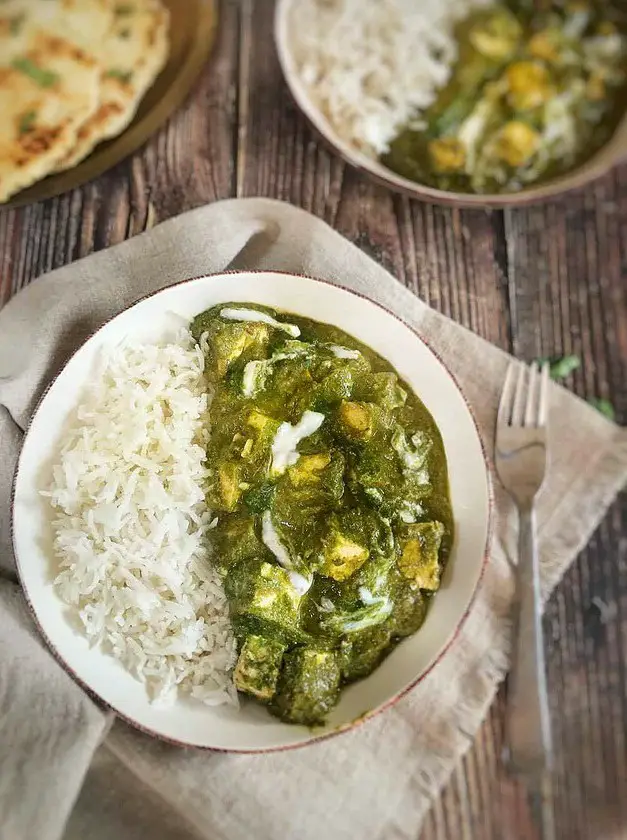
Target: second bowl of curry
535, 104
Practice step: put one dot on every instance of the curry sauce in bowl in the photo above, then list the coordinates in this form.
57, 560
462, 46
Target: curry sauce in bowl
330, 488
473, 102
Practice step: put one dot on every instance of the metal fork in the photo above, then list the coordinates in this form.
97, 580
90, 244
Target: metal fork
521, 458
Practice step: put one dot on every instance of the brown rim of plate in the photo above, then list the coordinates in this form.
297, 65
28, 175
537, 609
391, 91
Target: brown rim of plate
612, 153
192, 35
370, 713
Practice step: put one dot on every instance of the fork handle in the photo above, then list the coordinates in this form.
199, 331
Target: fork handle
528, 724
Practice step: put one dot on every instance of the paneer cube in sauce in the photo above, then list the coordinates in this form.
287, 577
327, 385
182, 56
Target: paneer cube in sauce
309, 685
264, 601
328, 479
258, 666
420, 548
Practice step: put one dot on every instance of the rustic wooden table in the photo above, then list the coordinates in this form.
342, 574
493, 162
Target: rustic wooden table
549, 279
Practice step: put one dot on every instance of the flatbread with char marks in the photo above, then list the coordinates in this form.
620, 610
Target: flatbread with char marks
72, 73
131, 58
49, 88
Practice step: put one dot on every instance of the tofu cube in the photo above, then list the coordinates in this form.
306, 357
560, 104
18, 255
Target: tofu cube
264, 425
237, 541
419, 560
318, 479
263, 601
264, 430
356, 420
308, 685
308, 468
342, 556
258, 666
227, 343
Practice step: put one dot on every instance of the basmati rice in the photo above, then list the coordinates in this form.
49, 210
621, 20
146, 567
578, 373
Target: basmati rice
373, 66
131, 523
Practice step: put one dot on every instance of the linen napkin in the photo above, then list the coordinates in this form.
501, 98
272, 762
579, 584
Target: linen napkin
67, 769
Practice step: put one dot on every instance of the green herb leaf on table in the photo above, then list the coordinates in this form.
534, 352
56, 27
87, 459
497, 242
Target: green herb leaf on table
604, 406
560, 366
27, 121
44, 78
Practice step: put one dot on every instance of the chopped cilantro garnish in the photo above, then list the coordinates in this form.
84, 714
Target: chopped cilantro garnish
15, 25
44, 78
27, 120
123, 75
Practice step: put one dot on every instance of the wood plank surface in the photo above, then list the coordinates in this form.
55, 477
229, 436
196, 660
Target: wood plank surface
544, 280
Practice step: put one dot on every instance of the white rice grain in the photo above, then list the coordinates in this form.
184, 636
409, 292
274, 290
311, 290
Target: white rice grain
373, 66
130, 525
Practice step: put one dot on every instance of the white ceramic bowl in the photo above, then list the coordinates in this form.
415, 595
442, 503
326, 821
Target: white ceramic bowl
613, 152
252, 728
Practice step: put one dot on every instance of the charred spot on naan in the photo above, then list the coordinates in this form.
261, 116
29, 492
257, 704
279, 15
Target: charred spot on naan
101, 118
39, 140
51, 46
37, 61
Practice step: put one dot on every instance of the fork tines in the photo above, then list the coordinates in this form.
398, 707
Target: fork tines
525, 403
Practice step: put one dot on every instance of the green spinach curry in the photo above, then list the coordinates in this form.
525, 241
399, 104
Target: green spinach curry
538, 86
329, 481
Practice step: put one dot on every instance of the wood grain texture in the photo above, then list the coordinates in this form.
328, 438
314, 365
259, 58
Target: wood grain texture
543, 280
566, 270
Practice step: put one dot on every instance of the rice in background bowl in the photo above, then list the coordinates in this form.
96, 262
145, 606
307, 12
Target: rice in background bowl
371, 68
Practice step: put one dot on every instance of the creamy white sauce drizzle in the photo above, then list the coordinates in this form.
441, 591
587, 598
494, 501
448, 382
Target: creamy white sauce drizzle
412, 454
288, 437
326, 605
257, 372
300, 583
410, 511
344, 352
254, 377
259, 318
272, 541
368, 598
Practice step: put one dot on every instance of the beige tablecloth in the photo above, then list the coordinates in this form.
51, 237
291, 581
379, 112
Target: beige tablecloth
67, 769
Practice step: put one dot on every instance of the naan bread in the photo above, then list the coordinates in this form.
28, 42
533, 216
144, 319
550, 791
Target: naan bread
72, 73
131, 57
49, 88
84, 22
